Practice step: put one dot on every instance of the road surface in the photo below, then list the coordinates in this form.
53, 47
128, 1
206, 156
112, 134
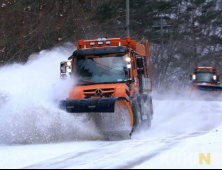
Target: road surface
174, 122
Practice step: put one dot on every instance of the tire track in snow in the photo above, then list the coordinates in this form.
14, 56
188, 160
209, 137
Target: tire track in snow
128, 154
150, 156
95, 158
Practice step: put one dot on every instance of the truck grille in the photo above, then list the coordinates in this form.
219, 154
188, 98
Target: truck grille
106, 92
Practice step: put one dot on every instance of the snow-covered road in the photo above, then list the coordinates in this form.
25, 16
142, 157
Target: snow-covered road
34, 133
178, 126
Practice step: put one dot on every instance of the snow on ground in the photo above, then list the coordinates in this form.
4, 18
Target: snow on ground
199, 122
177, 136
181, 128
21, 156
186, 154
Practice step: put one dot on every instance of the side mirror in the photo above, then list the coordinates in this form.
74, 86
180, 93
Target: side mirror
140, 65
139, 62
62, 68
193, 77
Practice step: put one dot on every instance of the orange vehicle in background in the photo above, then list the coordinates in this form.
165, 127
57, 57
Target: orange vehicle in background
114, 85
205, 82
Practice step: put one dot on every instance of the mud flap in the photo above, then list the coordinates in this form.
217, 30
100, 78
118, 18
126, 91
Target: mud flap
113, 117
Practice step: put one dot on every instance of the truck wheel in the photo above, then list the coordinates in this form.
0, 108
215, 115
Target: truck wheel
136, 114
145, 122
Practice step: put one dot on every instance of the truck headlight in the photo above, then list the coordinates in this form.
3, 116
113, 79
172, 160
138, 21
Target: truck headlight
128, 59
69, 63
214, 77
129, 66
194, 77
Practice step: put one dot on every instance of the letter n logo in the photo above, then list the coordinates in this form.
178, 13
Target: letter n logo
203, 158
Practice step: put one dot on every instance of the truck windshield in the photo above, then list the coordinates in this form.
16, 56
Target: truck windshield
111, 68
204, 78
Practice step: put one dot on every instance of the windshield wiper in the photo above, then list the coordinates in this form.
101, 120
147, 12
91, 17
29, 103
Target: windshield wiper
87, 81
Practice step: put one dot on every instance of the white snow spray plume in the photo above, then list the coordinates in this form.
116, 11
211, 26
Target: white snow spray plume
180, 115
28, 111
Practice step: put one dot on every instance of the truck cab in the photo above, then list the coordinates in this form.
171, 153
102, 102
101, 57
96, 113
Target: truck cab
205, 83
205, 76
112, 66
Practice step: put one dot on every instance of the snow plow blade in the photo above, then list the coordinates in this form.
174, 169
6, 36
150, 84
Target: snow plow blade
113, 117
89, 105
208, 88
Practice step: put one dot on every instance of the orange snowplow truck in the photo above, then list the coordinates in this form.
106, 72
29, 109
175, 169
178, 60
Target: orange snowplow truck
114, 84
205, 79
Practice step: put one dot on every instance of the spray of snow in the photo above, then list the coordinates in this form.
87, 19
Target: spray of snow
28, 107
